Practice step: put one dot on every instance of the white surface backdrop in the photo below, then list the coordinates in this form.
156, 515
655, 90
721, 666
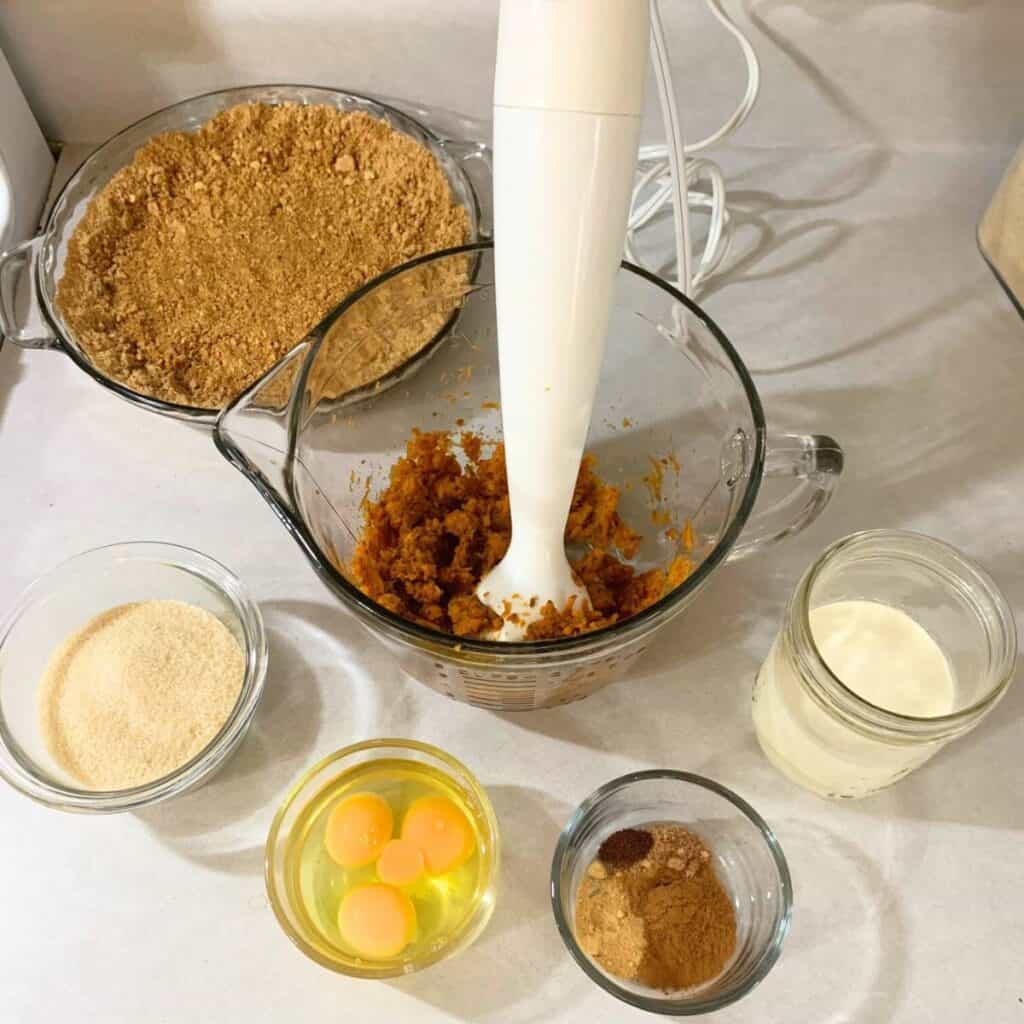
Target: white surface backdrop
896, 72
859, 301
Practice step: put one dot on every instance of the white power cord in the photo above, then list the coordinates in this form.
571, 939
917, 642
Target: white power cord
668, 175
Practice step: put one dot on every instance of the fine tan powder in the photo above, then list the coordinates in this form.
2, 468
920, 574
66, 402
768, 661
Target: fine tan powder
607, 927
664, 920
213, 253
138, 691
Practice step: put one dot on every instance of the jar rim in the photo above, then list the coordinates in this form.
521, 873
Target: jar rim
824, 684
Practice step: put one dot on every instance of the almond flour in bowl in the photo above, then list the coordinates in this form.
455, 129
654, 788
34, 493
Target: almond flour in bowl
204, 260
138, 691
129, 675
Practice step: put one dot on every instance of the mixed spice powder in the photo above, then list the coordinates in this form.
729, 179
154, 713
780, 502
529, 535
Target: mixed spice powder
660, 918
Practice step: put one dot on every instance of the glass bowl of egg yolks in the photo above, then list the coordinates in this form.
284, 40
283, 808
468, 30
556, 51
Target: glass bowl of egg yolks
383, 859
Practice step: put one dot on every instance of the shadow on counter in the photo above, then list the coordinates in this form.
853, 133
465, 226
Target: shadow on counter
223, 824
864, 913
966, 782
510, 972
12, 369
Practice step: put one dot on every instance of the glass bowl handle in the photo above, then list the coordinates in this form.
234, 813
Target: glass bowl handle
814, 462
13, 327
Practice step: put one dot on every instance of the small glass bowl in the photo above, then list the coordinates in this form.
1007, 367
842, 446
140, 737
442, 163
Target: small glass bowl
295, 921
747, 858
65, 599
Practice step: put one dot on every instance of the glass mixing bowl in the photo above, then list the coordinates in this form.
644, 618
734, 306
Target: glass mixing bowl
286, 902
748, 861
65, 599
43, 257
677, 426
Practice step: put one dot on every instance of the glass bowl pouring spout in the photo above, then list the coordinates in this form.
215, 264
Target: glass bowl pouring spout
678, 428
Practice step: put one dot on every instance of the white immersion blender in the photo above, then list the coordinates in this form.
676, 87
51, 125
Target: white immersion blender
568, 99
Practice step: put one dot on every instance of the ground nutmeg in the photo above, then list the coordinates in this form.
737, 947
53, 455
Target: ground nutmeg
625, 847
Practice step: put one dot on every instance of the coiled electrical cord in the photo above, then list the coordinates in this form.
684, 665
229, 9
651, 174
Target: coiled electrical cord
668, 174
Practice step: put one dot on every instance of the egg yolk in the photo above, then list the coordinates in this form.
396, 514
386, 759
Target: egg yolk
440, 829
376, 920
358, 829
400, 863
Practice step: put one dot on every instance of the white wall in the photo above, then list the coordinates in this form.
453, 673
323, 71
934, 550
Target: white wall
890, 72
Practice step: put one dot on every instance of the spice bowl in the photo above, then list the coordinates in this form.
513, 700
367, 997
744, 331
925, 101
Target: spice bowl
306, 888
746, 857
61, 602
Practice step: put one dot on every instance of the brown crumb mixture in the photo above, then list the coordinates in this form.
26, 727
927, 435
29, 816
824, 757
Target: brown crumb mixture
443, 523
212, 254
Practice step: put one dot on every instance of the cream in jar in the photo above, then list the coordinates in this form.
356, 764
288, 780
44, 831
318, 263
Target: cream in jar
893, 645
883, 656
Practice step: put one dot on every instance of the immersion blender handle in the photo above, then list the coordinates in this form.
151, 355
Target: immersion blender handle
583, 56
568, 97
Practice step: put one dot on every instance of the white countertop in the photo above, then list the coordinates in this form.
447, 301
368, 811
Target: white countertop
864, 311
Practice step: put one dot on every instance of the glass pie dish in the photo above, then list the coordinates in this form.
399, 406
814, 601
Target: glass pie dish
42, 258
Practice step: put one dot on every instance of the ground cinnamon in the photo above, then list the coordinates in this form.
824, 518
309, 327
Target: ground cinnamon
665, 921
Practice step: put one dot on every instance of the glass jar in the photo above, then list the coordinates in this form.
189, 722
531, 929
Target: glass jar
824, 736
